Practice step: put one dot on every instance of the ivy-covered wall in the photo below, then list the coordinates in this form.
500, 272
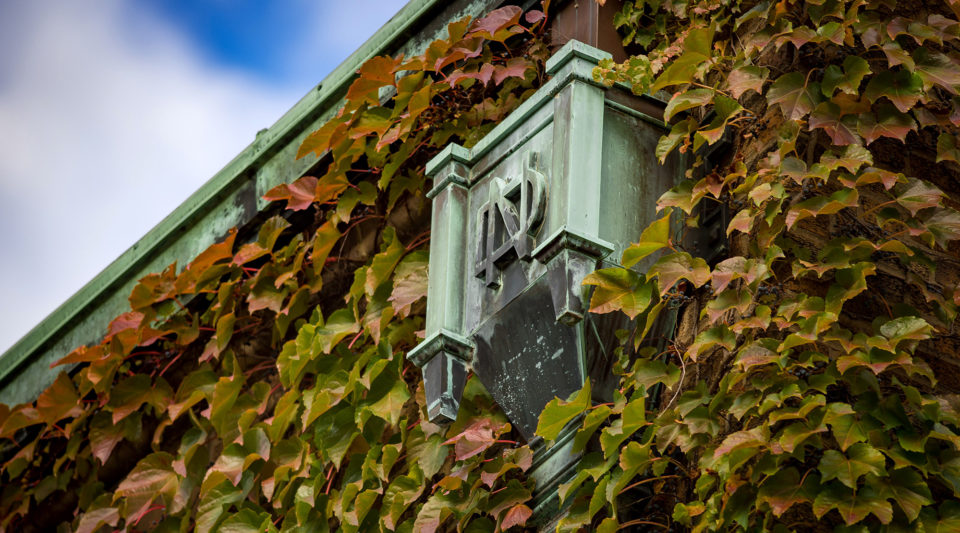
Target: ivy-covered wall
810, 382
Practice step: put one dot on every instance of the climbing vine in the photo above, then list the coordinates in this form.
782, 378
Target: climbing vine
263, 387
811, 382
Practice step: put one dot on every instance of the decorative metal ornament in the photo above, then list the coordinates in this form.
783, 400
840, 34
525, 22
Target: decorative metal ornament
557, 190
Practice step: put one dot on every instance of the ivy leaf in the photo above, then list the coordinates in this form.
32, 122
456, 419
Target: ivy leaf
841, 128
409, 282
104, 436
496, 21
558, 412
340, 324
847, 427
391, 251
935, 68
516, 516
619, 289
475, 438
822, 205
860, 459
887, 122
94, 519
678, 133
906, 487
944, 226
853, 506
794, 95
697, 47
684, 100
902, 87
58, 401
655, 237
750, 438
299, 194
784, 489
375, 73
947, 149
848, 80
680, 265
919, 194
745, 78
133, 392
390, 406
152, 477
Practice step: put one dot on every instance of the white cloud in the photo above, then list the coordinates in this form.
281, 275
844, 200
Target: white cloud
108, 121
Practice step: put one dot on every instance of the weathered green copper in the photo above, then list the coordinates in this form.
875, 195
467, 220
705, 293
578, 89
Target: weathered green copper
557, 190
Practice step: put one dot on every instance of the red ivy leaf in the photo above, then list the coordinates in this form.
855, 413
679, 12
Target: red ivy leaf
299, 194
497, 20
516, 516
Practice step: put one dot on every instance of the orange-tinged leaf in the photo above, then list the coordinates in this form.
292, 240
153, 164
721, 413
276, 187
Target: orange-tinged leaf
375, 73
409, 282
82, 354
299, 194
516, 516
935, 68
60, 400
104, 436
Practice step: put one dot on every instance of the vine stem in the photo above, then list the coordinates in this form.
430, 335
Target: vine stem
639, 522
638, 483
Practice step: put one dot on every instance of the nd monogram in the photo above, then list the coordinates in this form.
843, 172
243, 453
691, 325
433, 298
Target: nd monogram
514, 209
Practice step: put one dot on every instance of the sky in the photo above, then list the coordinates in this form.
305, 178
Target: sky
112, 112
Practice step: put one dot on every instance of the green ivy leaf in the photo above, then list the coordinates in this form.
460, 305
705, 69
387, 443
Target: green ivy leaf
860, 459
656, 236
907, 488
822, 205
935, 68
558, 412
919, 194
619, 289
902, 88
684, 100
853, 506
697, 47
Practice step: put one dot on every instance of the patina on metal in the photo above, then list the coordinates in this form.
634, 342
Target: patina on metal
557, 190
